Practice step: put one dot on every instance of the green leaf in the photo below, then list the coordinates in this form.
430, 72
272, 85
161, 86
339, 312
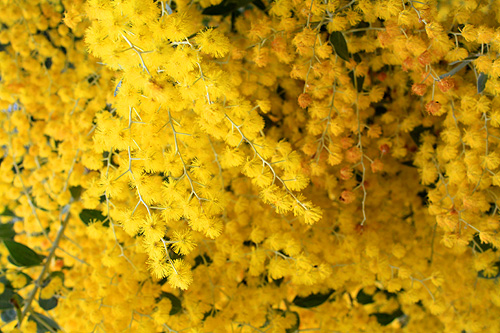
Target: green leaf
364, 298
358, 83
201, 260
48, 304
409, 163
259, 4
43, 323
176, 303
456, 69
17, 302
28, 278
13, 262
7, 212
339, 44
5, 299
3, 278
8, 315
476, 242
88, 215
356, 58
311, 300
385, 319
481, 82
472, 57
22, 255
76, 192
226, 7
223, 9
417, 132
210, 313
278, 282
53, 275
7, 231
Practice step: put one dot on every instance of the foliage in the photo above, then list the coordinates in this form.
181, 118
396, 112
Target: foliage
249, 166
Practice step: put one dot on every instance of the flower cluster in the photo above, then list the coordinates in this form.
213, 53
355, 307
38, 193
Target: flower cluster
241, 166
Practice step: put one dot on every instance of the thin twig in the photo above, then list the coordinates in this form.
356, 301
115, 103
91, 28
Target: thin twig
45, 268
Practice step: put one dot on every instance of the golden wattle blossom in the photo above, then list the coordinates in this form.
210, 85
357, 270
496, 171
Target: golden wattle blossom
249, 166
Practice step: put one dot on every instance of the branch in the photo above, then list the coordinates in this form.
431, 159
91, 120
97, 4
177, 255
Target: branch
45, 268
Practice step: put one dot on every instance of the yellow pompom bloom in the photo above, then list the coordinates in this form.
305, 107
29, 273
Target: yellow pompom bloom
177, 27
213, 42
457, 53
337, 23
183, 241
179, 274
469, 32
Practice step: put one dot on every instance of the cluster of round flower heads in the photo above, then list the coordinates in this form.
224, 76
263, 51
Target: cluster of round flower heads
249, 166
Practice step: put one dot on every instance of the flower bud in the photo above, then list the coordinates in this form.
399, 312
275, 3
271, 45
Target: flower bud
346, 173
305, 100
384, 148
446, 84
433, 107
425, 58
419, 89
347, 196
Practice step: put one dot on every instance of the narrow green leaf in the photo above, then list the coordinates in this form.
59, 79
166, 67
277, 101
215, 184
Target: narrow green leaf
176, 303
472, 57
87, 215
43, 323
481, 82
312, 300
456, 69
339, 44
21, 254
7, 231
